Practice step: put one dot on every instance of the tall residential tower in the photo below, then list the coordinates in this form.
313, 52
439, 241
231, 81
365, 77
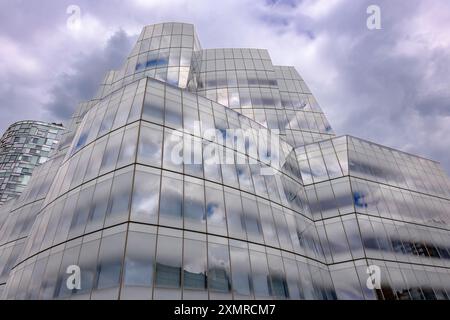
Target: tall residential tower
24, 145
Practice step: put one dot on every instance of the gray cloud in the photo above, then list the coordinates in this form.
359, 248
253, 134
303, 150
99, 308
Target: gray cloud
70, 89
381, 93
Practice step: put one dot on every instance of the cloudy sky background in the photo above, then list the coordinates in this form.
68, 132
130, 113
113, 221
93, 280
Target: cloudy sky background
390, 86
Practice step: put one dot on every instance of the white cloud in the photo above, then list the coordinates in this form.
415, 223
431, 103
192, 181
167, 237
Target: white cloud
318, 9
16, 59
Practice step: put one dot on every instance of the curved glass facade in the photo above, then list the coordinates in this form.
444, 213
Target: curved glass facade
212, 174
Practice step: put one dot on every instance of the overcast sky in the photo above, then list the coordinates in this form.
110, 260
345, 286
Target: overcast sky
390, 86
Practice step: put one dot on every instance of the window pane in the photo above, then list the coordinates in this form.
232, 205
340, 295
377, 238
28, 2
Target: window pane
192, 155
50, 276
337, 240
346, 282
107, 122
150, 145
245, 179
111, 152
119, 201
168, 262
277, 277
153, 108
70, 257
81, 212
235, 216
66, 218
128, 149
194, 265
110, 261
144, 207
88, 264
215, 210
173, 150
292, 278
343, 195
139, 259
241, 275
99, 205
218, 268
260, 274
95, 160
171, 200
136, 108
124, 108
194, 206
229, 175
268, 225
173, 114
252, 220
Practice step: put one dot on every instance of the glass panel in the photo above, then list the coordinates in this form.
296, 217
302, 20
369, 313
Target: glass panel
337, 240
327, 203
173, 114
144, 207
332, 164
110, 263
107, 122
150, 145
136, 108
173, 150
119, 200
81, 212
168, 262
215, 210
171, 200
66, 218
268, 225
35, 280
343, 195
124, 107
99, 205
278, 281
235, 218
354, 237
346, 282
241, 276
245, 179
128, 149
70, 257
139, 259
88, 265
229, 175
194, 265
218, 268
260, 274
153, 108
292, 278
194, 205
95, 160
252, 220
111, 152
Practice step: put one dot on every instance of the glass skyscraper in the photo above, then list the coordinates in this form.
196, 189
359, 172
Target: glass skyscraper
24, 145
213, 174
